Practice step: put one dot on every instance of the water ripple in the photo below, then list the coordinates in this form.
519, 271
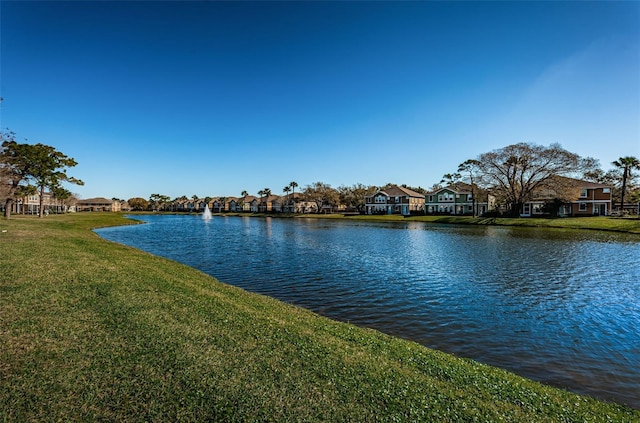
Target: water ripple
559, 306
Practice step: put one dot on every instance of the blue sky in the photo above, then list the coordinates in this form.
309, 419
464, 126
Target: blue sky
213, 98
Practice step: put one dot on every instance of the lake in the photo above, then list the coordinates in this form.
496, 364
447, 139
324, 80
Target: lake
558, 306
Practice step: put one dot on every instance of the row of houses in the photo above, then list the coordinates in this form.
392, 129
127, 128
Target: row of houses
591, 199
31, 205
290, 203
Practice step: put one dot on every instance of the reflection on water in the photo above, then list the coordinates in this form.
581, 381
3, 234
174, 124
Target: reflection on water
561, 307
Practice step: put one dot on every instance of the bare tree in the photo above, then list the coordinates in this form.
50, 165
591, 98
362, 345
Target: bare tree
515, 172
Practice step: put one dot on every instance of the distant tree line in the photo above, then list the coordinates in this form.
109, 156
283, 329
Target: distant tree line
512, 174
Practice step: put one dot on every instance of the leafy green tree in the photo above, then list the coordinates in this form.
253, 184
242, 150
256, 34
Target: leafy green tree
353, 197
626, 165
39, 164
49, 170
15, 168
157, 201
321, 194
138, 203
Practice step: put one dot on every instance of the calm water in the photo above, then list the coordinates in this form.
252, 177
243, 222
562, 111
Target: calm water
561, 307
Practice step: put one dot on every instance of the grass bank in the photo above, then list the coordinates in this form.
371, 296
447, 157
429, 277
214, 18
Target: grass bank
91, 330
601, 223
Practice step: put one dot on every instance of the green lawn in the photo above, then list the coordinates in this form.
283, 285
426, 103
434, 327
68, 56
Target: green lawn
91, 330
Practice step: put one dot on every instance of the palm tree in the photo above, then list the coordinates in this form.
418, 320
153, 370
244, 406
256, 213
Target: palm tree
223, 200
626, 164
293, 185
267, 193
243, 196
286, 191
260, 193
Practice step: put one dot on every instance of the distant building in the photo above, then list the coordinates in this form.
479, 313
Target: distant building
98, 204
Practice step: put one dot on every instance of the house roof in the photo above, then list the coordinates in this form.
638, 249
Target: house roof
458, 188
269, 199
396, 190
96, 200
583, 184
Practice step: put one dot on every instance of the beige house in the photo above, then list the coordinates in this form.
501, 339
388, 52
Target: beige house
31, 204
98, 204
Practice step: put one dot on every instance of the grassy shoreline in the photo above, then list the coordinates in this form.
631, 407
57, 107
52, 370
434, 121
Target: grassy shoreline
600, 223
92, 330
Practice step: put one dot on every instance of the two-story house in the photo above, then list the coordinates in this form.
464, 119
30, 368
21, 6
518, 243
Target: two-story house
458, 199
98, 204
572, 197
395, 200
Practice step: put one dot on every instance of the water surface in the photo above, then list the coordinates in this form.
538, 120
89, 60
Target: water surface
558, 306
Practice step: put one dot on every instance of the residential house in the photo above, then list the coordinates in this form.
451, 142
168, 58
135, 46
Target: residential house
291, 203
248, 204
395, 200
266, 204
98, 204
31, 204
458, 199
219, 206
569, 197
277, 204
234, 204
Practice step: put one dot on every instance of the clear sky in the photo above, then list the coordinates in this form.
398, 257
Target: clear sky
213, 98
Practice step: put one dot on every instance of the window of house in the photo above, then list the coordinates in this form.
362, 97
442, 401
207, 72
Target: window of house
431, 198
582, 207
583, 193
606, 190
